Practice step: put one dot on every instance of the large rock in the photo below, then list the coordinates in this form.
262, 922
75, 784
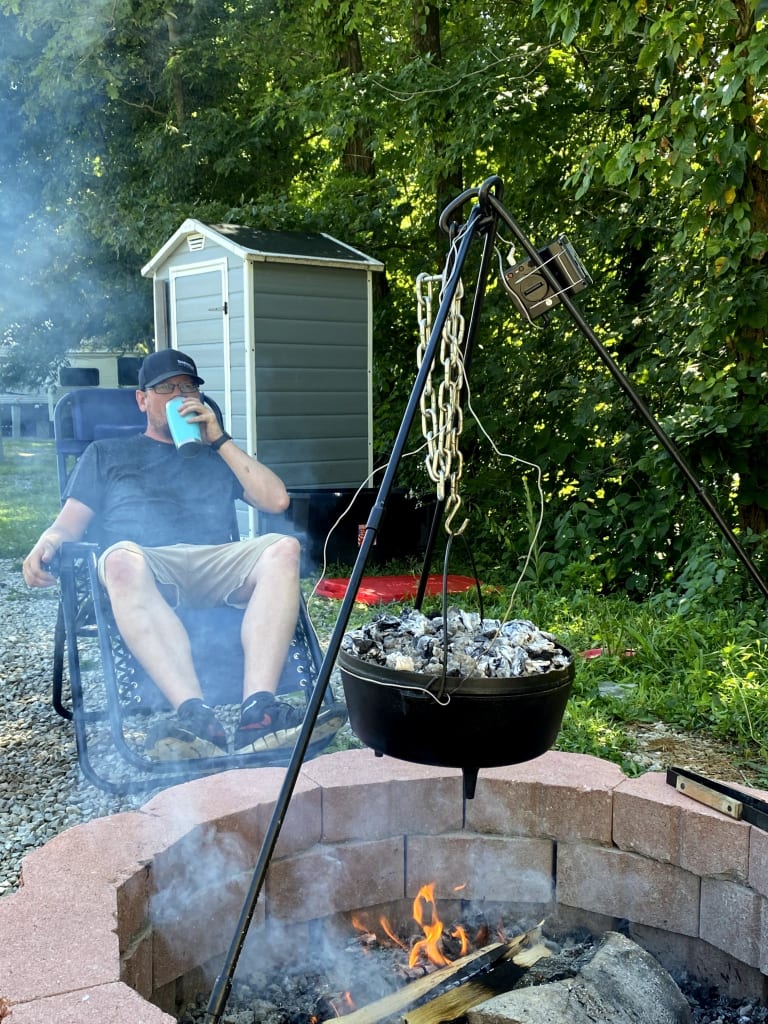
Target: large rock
621, 984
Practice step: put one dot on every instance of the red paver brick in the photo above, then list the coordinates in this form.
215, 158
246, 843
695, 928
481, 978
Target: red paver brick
646, 818
559, 796
732, 918
758, 861
105, 850
652, 818
137, 965
516, 869
52, 945
132, 899
625, 885
243, 800
191, 926
108, 1004
713, 844
369, 797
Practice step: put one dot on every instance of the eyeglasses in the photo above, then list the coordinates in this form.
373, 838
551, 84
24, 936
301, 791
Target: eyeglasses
167, 388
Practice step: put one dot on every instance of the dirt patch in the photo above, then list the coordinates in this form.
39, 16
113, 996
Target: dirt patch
659, 747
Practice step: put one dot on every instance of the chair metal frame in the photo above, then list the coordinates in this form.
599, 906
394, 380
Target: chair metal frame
113, 702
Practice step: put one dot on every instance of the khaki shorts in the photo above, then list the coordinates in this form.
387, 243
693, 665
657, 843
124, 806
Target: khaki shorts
199, 575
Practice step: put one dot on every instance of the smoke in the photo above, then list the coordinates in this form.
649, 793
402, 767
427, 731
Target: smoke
61, 280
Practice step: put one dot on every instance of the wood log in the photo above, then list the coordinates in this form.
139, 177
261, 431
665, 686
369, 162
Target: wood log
428, 988
500, 977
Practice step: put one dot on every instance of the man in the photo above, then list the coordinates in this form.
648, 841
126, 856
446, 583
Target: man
163, 519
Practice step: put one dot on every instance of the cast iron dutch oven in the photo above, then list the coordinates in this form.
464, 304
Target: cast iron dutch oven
476, 723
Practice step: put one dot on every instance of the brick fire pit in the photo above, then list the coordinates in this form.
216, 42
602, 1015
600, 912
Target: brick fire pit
113, 913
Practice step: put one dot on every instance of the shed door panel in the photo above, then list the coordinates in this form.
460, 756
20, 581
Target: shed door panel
199, 325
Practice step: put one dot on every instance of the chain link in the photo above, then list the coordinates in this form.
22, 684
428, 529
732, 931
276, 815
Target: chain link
442, 418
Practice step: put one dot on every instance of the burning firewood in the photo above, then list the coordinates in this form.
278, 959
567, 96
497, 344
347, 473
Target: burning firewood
464, 983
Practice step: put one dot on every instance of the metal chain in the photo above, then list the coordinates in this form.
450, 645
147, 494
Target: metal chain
442, 418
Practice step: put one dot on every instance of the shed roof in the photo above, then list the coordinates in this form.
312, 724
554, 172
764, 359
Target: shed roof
265, 246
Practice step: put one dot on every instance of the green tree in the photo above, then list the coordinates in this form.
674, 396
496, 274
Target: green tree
684, 164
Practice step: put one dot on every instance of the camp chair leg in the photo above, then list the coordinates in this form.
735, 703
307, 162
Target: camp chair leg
59, 645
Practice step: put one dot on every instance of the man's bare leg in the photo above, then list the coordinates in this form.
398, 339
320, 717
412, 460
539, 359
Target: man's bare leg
272, 592
149, 626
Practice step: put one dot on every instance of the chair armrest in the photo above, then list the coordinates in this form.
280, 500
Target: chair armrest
68, 553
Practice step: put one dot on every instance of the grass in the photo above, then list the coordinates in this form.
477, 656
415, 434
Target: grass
701, 669
29, 494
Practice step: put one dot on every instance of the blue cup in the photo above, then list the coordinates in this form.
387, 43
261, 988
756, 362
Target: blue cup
186, 435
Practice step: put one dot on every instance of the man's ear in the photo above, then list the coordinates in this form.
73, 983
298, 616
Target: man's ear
141, 400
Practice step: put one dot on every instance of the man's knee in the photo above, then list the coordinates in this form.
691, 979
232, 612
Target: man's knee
280, 559
282, 556
125, 568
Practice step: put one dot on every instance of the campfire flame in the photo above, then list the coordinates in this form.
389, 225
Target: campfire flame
430, 950
425, 915
387, 927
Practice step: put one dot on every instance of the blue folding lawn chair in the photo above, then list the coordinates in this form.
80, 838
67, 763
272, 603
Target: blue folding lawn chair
98, 685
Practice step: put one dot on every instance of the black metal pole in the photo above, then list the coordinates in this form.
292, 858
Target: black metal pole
223, 984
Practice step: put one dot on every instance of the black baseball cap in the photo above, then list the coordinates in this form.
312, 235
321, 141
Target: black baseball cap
168, 362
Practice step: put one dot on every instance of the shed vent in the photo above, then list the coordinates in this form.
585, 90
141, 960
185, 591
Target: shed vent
196, 242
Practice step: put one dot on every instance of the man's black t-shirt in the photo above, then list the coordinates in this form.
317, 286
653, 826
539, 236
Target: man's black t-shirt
145, 491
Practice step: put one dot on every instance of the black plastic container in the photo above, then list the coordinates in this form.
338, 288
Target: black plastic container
486, 723
313, 512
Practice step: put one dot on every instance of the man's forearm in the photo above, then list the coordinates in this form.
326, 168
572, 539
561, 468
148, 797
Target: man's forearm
261, 487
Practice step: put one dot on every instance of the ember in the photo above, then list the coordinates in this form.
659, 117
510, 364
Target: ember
414, 642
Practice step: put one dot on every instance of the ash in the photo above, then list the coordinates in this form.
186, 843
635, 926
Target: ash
413, 642
708, 1006
314, 992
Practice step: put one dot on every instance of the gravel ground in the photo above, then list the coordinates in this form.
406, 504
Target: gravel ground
41, 790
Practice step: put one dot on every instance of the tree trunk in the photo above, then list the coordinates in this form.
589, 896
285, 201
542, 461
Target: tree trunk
177, 85
357, 157
426, 40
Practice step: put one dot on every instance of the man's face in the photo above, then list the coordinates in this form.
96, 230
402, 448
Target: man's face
153, 404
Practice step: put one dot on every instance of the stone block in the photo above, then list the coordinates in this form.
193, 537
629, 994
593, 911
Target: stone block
104, 850
192, 926
646, 818
732, 919
369, 797
242, 802
514, 869
566, 797
758, 861
625, 885
331, 879
52, 945
107, 1004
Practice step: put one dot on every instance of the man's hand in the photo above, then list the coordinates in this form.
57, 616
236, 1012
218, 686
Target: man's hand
70, 524
35, 566
210, 428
